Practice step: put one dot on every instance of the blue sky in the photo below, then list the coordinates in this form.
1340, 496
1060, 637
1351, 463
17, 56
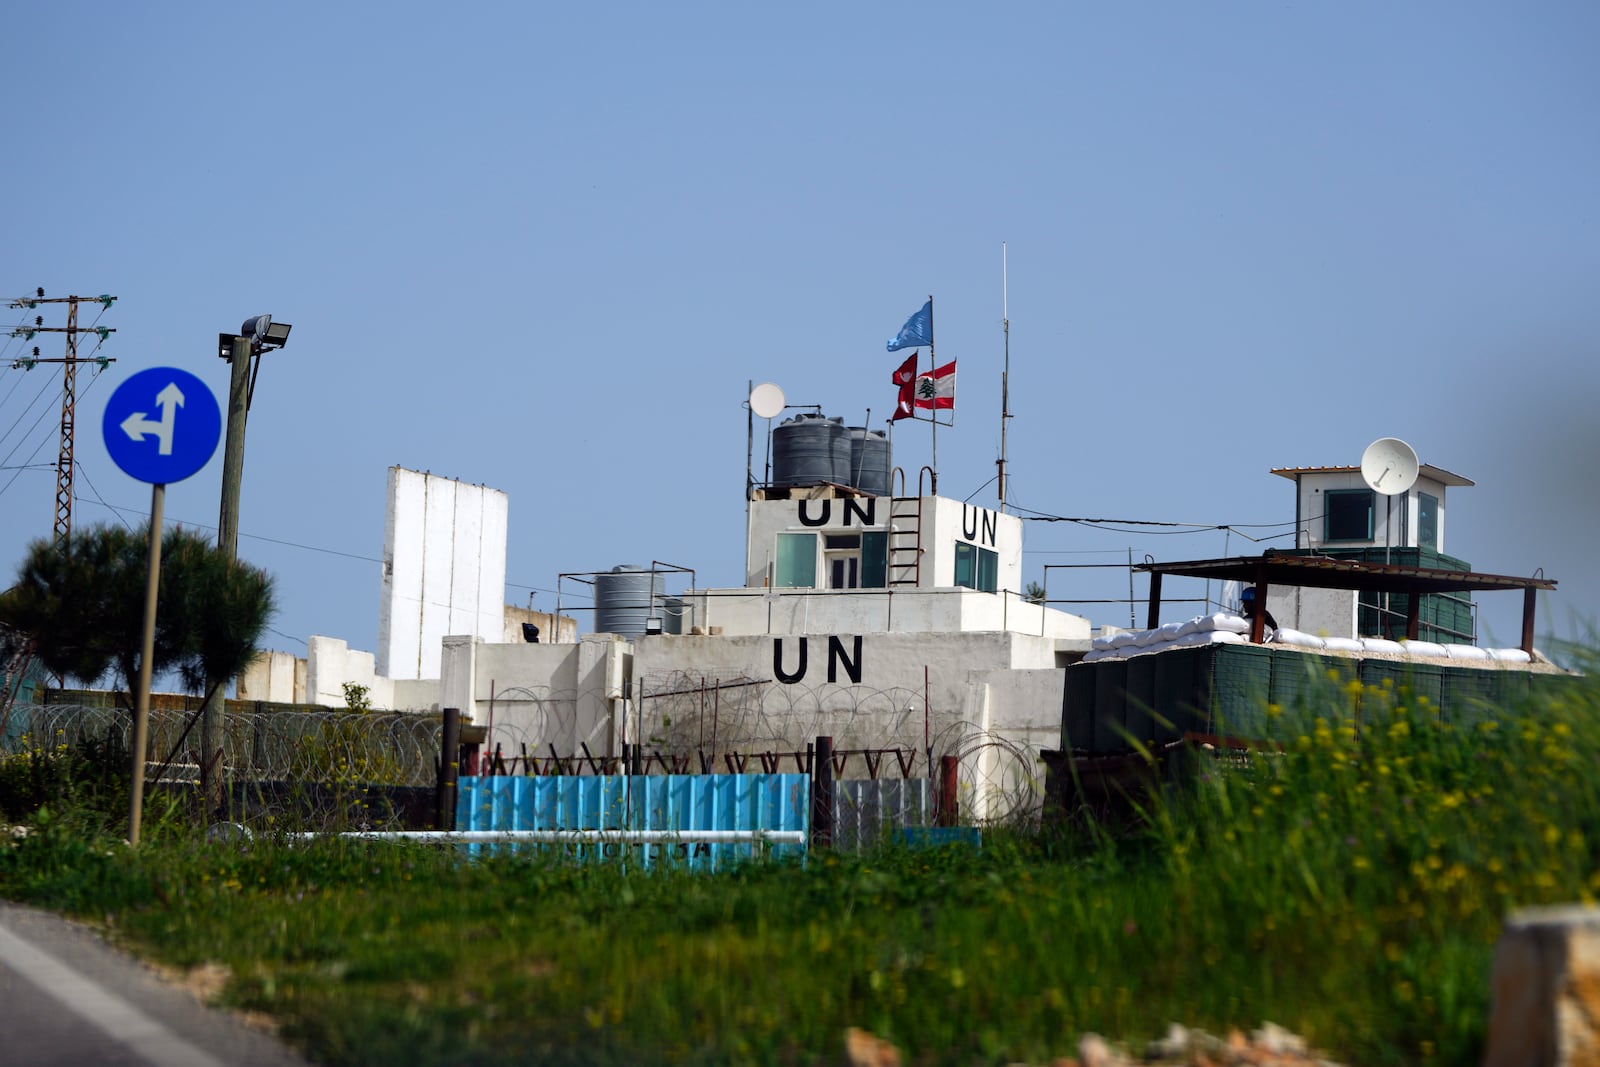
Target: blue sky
546, 248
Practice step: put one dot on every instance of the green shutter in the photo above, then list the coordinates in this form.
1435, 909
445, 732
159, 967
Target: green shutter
874, 559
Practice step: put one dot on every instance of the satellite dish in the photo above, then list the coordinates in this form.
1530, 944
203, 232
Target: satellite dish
1389, 466
766, 400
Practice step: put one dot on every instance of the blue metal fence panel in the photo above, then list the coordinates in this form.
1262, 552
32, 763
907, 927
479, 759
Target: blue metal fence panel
681, 803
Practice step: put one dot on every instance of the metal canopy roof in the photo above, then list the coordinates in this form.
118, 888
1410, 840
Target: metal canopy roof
1321, 572
1428, 470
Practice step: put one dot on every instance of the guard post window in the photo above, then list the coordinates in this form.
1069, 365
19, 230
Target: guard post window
1347, 515
977, 568
1428, 521
796, 561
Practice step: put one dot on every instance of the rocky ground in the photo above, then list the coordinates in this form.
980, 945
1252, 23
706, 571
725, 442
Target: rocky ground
1270, 1046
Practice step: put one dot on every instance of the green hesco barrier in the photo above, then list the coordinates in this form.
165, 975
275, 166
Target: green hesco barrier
1146, 720
1183, 688
1110, 706
1518, 687
1241, 687
1077, 708
1408, 681
1550, 686
1300, 680
1472, 694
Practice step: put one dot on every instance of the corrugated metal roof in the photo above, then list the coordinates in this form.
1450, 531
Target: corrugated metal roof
1428, 470
1283, 568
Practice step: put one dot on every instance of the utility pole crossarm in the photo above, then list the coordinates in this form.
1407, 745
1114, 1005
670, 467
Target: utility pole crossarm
35, 301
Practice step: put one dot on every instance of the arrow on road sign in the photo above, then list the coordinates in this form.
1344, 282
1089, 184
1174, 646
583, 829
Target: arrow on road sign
136, 425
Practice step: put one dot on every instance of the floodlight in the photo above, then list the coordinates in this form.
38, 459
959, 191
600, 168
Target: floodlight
264, 333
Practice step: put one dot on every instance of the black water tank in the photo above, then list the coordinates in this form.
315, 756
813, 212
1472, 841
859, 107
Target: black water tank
809, 450
869, 460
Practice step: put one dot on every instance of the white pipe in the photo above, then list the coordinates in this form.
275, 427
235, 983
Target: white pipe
626, 837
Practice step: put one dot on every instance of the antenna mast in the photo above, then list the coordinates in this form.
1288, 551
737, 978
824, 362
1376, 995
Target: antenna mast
1005, 378
69, 385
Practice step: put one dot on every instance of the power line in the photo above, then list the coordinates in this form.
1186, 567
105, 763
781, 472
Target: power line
43, 389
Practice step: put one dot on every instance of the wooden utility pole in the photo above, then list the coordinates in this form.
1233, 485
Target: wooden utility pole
69, 385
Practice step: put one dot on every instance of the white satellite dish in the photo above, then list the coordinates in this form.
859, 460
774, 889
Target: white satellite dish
1389, 466
766, 400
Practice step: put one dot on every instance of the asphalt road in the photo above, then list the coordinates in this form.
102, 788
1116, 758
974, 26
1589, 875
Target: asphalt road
68, 998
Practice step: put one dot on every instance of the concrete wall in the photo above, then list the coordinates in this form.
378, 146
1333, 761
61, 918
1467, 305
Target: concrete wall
538, 695
444, 569
330, 663
942, 524
553, 629
954, 522
749, 692
277, 677
794, 611
1324, 612
1018, 713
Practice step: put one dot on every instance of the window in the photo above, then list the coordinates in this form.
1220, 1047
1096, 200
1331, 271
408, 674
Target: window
1428, 521
796, 563
977, 568
855, 561
1347, 515
841, 557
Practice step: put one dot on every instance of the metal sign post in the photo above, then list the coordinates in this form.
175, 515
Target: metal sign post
168, 448
147, 651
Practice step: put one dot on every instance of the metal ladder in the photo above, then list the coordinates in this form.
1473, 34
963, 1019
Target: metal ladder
905, 532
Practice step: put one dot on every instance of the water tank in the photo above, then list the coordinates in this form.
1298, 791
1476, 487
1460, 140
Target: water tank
672, 615
869, 460
810, 449
622, 600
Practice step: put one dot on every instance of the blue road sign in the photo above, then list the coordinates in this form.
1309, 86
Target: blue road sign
161, 425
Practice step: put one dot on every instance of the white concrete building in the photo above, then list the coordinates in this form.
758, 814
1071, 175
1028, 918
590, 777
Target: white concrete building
444, 569
1338, 514
885, 623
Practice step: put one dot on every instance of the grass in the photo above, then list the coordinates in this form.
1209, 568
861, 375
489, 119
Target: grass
1350, 886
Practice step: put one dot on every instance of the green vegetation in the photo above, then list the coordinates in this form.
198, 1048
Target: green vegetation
1349, 886
82, 606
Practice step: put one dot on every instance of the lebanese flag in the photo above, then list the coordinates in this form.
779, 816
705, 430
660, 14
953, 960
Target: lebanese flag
937, 389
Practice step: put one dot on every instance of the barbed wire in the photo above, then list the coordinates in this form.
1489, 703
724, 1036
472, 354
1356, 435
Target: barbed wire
696, 724
369, 748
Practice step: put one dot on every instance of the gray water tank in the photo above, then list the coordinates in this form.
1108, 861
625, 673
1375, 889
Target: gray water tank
622, 600
672, 615
869, 460
809, 450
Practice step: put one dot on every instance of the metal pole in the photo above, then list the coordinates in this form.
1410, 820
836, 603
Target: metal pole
947, 812
822, 793
449, 757
212, 718
141, 702
1005, 376
934, 415
233, 446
